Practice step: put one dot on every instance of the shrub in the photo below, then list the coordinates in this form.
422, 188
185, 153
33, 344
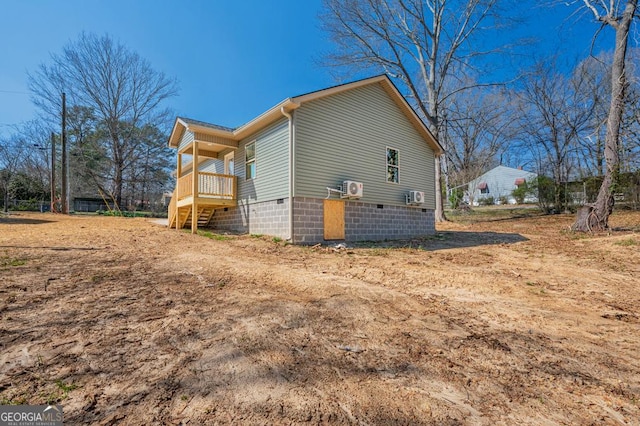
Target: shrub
455, 197
28, 205
552, 197
123, 213
522, 191
545, 189
487, 201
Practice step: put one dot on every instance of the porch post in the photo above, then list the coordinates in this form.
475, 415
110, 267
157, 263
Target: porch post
194, 207
177, 192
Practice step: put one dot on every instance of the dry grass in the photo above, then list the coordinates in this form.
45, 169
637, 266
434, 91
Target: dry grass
510, 321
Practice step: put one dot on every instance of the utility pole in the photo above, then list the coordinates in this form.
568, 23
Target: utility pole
63, 191
53, 173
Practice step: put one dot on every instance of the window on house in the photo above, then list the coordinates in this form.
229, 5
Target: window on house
250, 160
392, 166
483, 187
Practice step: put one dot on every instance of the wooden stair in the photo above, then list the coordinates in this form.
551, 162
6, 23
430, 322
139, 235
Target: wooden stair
183, 216
172, 210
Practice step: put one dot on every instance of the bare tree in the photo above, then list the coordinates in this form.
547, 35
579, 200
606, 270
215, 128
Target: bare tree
630, 133
149, 173
619, 16
11, 159
89, 153
424, 45
478, 127
595, 72
119, 86
555, 114
34, 139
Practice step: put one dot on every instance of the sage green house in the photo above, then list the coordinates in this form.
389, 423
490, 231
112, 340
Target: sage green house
352, 162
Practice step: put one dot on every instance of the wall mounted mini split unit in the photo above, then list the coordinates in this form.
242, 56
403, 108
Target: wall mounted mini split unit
415, 197
351, 189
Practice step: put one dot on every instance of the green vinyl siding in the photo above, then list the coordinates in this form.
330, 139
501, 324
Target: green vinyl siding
215, 165
272, 164
211, 165
186, 139
345, 137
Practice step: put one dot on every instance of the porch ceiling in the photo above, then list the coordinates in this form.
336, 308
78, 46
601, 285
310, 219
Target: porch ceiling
208, 149
209, 140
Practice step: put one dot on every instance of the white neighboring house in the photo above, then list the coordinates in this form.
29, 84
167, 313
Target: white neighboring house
499, 182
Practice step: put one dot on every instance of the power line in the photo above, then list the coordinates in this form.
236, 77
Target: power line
15, 92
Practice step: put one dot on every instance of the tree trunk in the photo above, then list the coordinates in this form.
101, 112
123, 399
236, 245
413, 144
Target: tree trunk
433, 126
6, 201
439, 212
118, 164
595, 217
117, 183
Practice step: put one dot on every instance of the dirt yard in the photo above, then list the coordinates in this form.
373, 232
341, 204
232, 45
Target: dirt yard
503, 322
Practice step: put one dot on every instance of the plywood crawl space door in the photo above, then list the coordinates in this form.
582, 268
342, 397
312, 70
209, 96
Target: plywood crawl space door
333, 220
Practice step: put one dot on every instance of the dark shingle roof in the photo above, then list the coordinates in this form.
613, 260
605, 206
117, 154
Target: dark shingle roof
205, 124
338, 85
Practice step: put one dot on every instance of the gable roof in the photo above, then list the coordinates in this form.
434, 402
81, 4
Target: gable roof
508, 174
192, 122
183, 124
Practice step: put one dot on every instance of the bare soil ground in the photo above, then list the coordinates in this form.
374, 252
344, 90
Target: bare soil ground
501, 322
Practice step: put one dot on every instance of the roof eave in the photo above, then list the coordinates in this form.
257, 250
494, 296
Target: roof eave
338, 89
211, 131
291, 104
181, 125
392, 90
413, 117
176, 132
265, 119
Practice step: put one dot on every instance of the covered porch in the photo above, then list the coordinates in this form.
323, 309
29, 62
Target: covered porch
212, 191
199, 193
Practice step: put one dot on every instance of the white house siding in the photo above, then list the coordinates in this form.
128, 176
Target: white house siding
500, 182
345, 136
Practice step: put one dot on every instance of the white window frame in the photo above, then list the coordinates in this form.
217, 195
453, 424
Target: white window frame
229, 158
253, 161
387, 165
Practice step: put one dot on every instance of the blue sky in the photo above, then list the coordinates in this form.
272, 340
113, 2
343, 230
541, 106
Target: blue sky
233, 59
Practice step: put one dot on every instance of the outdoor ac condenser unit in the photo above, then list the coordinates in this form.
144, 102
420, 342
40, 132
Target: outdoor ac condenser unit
416, 197
351, 189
